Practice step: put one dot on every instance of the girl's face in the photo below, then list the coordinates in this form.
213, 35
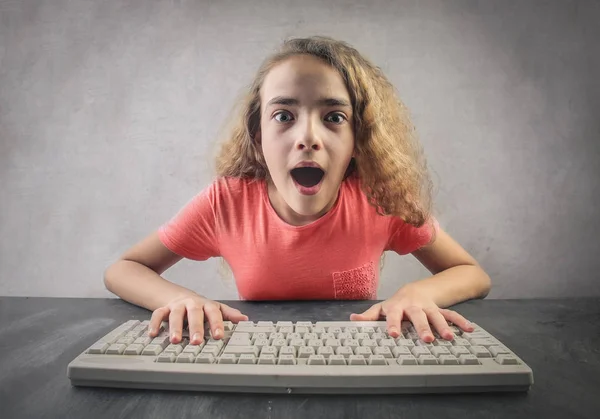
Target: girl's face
306, 120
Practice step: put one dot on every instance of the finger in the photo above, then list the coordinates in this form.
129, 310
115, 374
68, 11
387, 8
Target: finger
232, 314
372, 313
195, 316
212, 311
440, 324
419, 320
393, 319
157, 317
457, 319
176, 323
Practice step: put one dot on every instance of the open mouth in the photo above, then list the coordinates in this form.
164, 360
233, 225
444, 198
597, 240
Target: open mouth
307, 176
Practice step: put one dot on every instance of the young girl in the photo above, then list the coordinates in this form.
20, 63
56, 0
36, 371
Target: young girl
321, 174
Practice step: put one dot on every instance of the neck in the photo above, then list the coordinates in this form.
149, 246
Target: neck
287, 214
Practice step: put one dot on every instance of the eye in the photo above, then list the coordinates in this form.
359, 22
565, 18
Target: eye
283, 116
336, 117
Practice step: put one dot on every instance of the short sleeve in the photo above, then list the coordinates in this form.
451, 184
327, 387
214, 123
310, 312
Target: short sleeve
192, 232
405, 238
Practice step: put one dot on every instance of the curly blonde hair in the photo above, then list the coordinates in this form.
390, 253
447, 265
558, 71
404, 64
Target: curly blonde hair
389, 160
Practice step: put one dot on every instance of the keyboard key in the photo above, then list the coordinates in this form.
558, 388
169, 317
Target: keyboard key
336, 360
405, 342
497, 350
506, 359
468, 360
134, 349
98, 348
326, 351
448, 360
143, 340
370, 343
287, 360
205, 359
269, 350
260, 343
288, 350
316, 360
297, 343
400, 350
480, 352
125, 341
388, 342
166, 357
407, 360
240, 350
419, 351
483, 342
176, 349
363, 350
461, 342
152, 350
116, 349
356, 360
193, 349
267, 359
344, 350
334, 343
162, 341
376, 360
213, 350
351, 343
428, 360
384, 351
228, 359
437, 351
315, 343
186, 358
306, 351
459, 350
247, 359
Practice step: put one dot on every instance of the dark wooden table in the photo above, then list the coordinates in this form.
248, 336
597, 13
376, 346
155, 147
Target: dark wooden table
559, 340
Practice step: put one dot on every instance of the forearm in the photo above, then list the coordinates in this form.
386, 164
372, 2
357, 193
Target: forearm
140, 285
454, 285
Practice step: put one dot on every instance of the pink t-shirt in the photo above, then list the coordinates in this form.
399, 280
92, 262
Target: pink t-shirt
334, 257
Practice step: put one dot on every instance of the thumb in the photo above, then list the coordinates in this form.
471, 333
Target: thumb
371, 314
232, 314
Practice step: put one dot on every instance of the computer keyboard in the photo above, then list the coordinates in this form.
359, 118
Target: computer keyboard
324, 357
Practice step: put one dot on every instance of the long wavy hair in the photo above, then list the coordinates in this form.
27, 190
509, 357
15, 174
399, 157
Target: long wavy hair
389, 160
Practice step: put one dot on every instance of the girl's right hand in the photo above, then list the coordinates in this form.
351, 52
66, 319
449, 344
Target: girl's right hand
196, 308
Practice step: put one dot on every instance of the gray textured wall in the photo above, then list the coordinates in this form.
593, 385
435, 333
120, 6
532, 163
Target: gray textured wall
109, 111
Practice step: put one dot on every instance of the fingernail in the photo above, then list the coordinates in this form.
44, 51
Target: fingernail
151, 330
217, 332
393, 330
196, 337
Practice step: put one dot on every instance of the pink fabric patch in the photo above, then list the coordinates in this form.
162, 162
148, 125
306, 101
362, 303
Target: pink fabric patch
356, 284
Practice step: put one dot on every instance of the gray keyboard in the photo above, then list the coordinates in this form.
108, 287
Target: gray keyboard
302, 357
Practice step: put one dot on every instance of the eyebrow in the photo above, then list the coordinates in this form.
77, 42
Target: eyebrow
290, 101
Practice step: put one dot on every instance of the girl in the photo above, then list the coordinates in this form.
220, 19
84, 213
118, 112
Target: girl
321, 174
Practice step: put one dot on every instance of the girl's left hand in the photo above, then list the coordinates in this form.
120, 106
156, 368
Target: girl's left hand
410, 304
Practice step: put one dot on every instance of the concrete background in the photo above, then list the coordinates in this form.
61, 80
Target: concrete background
109, 111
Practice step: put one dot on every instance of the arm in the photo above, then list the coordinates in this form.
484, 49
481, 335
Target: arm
136, 276
456, 275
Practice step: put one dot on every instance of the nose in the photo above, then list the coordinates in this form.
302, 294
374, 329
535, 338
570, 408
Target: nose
308, 137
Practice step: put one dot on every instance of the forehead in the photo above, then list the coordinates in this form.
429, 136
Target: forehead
303, 76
